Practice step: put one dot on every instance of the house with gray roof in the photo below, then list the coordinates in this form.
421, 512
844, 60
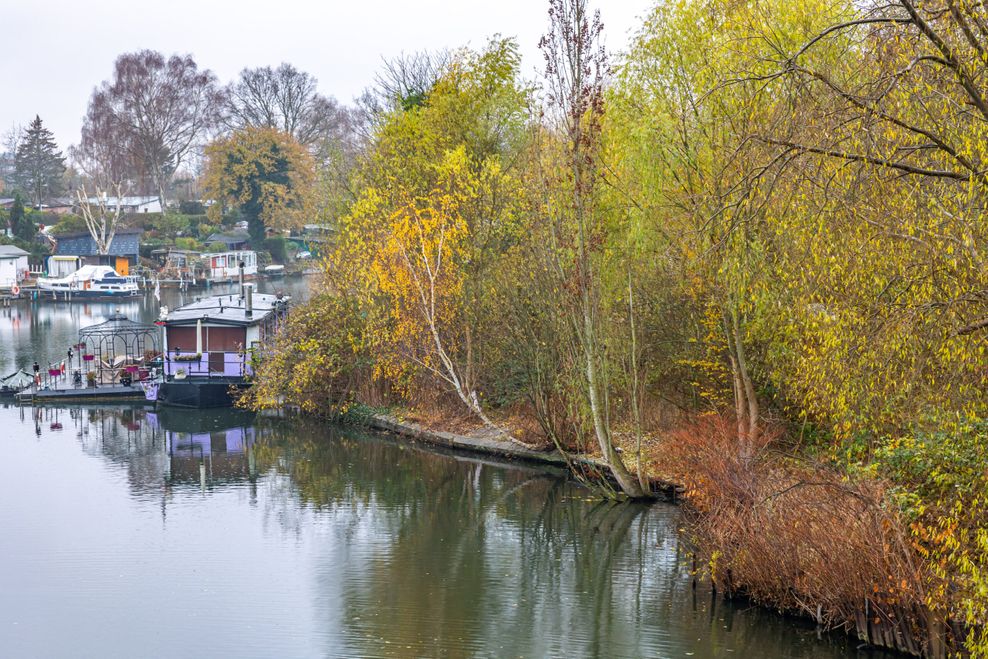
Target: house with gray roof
13, 266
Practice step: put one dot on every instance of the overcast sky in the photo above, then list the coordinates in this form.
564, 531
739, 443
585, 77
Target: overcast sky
54, 52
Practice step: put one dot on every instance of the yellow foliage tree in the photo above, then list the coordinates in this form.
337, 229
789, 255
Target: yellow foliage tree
265, 173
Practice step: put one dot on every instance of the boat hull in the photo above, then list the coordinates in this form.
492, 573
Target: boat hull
201, 394
88, 294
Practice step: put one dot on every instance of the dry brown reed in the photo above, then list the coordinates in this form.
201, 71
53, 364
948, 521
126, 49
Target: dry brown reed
801, 537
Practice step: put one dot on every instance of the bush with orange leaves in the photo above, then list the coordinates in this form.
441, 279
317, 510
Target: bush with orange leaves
802, 537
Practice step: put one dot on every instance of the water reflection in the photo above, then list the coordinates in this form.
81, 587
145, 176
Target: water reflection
213, 446
303, 540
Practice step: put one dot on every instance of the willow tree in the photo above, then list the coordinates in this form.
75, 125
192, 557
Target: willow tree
892, 348
266, 174
899, 132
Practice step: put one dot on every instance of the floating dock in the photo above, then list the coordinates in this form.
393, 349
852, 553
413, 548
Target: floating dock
107, 393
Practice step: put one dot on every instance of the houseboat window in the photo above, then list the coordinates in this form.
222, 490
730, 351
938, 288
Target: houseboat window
182, 336
224, 339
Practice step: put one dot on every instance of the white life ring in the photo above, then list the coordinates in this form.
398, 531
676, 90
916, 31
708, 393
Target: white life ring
15, 289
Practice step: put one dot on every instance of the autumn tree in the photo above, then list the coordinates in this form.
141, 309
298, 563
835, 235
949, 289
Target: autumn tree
891, 346
38, 164
437, 209
150, 116
285, 99
264, 172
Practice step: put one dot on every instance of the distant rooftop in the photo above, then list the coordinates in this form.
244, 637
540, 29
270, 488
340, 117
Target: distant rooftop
229, 237
122, 231
125, 201
12, 251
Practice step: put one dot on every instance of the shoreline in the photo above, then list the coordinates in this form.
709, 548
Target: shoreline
594, 468
874, 636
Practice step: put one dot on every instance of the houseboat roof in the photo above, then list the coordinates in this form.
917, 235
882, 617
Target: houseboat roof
227, 310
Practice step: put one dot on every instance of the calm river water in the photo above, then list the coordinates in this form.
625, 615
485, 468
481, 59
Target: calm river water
126, 532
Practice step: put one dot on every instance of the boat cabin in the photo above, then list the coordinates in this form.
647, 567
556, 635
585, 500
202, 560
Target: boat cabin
225, 266
91, 281
62, 266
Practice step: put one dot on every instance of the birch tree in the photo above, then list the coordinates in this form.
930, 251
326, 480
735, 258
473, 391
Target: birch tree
101, 216
438, 207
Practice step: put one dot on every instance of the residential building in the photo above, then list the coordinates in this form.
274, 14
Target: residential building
232, 240
13, 266
131, 204
123, 253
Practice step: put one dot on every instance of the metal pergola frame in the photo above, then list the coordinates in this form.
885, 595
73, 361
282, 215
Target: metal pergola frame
118, 337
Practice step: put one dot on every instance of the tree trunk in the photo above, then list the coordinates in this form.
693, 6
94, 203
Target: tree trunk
626, 481
745, 399
635, 394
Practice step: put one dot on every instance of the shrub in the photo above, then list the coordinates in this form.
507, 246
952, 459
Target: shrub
190, 244
191, 208
796, 536
940, 482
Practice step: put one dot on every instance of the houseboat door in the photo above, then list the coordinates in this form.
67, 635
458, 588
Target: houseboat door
122, 266
217, 365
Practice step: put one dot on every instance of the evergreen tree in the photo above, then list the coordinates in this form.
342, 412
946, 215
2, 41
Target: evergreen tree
38, 164
20, 225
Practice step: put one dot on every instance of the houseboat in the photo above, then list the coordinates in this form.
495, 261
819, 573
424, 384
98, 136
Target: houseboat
178, 268
225, 267
89, 282
210, 346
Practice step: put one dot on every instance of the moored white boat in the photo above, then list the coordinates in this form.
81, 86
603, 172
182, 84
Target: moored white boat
88, 282
15, 382
274, 271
